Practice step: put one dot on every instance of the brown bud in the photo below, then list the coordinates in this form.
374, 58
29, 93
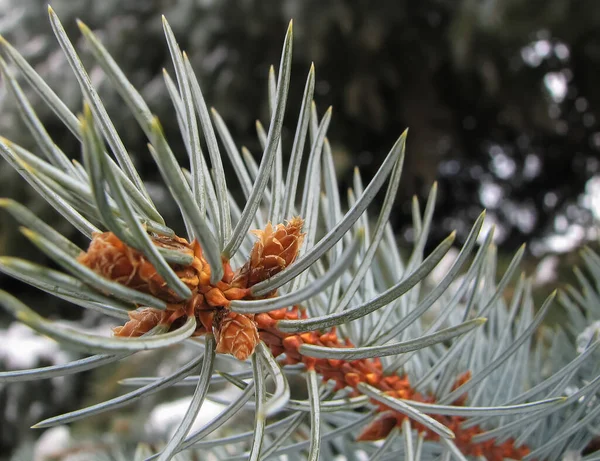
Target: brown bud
108, 256
141, 321
111, 258
236, 334
352, 379
277, 247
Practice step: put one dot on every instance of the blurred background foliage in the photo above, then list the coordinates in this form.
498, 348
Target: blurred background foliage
501, 98
500, 95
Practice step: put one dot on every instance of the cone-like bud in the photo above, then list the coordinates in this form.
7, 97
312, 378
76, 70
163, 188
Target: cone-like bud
141, 322
236, 334
108, 256
277, 247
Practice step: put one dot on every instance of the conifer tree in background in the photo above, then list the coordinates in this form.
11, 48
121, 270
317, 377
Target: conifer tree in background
395, 363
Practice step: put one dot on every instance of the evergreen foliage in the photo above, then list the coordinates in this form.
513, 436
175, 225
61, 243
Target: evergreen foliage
456, 354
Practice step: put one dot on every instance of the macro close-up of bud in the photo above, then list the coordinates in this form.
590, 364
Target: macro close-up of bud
289, 322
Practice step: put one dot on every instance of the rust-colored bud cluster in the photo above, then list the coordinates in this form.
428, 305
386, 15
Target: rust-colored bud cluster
350, 373
110, 257
238, 334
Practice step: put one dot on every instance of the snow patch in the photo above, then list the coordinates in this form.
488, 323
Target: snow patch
51, 443
165, 418
23, 348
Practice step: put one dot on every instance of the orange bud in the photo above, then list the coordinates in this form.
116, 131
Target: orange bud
277, 247
236, 293
373, 378
352, 379
108, 256
236, 334
278, 314
141, 321
264, 320
308, 337
215, 297
292, 343
335, 363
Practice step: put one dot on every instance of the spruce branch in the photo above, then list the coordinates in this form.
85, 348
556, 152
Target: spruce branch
431, 368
